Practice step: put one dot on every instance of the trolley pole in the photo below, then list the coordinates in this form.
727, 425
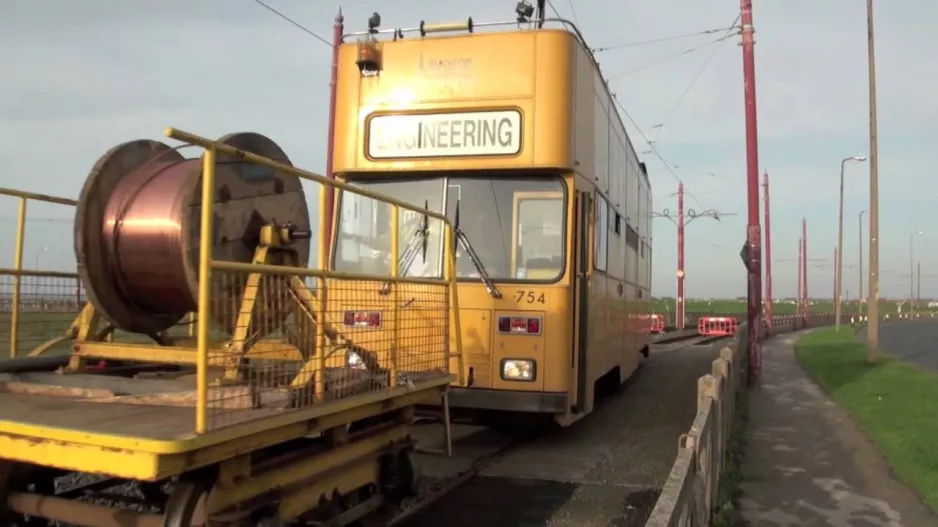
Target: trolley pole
754, 315
768, 257
800, 278
338, 28
804, 269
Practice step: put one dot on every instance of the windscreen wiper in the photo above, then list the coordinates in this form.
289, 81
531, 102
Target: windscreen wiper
474, 257
416, 244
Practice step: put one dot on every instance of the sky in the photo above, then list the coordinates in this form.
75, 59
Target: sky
81, 77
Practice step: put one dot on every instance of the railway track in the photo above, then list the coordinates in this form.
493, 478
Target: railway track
439, 491
476, 484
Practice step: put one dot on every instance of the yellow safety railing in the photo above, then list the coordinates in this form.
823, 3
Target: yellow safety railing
431, 303
55, 301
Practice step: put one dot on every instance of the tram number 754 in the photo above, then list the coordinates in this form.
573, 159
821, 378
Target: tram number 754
530, 297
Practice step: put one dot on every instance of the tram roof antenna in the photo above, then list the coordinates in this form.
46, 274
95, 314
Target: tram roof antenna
541, 13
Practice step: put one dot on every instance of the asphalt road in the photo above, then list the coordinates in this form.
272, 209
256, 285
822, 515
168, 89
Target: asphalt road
915, 342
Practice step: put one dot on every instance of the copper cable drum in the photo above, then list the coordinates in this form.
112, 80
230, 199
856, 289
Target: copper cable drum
142, 230
137, 227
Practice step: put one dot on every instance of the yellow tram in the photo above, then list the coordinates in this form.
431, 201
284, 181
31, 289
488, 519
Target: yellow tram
512, 133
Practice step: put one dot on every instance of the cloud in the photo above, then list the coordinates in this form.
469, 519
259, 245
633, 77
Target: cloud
82, 77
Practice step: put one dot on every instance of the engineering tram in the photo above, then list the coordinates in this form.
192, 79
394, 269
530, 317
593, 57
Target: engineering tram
510, 130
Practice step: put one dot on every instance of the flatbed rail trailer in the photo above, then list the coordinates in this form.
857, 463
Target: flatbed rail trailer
247, 416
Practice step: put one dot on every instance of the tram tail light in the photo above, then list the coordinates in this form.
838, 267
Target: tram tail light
362, 319
519, 325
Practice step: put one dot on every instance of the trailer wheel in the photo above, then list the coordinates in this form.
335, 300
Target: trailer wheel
186, 505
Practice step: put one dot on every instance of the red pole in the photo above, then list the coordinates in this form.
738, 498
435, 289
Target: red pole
804, 269
337, 29
679, 312
798, 305
754, 318
768, 258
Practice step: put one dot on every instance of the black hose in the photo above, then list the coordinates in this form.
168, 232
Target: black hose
50, 363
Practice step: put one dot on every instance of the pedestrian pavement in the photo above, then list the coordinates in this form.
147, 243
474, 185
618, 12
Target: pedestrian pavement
807, 463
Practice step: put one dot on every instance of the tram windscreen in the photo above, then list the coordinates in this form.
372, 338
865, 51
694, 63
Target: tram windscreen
515, 226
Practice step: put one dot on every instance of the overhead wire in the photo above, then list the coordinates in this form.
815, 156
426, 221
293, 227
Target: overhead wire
294, 23
576, 19
659, 40
694, 80
655, 151
551, 5
670, 58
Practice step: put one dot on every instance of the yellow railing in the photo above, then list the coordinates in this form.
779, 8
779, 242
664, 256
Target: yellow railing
429, 295
54, 302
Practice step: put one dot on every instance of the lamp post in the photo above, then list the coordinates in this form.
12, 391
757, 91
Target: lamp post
860, 262
838, 286
912, 272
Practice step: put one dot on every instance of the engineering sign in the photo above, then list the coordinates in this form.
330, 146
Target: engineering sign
466, 134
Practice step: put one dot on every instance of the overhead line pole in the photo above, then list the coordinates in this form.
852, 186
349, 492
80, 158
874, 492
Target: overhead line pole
768, 257
798, 305
804, 269
872, 328
681, 222
754, 314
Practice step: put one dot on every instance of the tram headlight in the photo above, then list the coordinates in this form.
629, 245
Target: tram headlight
523, 370
354, 361
359, 359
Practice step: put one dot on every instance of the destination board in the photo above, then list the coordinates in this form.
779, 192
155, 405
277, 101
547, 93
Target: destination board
464, 134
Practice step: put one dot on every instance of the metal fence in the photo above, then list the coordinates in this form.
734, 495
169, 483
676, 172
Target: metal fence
37, 308
355, 334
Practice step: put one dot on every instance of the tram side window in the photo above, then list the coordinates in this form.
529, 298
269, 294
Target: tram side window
601, 234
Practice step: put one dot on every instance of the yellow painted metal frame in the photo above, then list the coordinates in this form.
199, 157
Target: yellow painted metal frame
207, 264
151, 459
18, 272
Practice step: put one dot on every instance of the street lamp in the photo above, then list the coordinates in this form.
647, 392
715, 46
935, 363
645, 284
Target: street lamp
860, 262
840, 241
912, 273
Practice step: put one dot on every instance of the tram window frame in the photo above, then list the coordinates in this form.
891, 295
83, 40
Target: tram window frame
547, 187
601, 233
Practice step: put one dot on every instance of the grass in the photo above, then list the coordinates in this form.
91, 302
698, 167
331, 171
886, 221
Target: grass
892, 401
735, 307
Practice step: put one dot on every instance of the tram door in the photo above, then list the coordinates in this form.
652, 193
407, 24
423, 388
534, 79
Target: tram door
581, 267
